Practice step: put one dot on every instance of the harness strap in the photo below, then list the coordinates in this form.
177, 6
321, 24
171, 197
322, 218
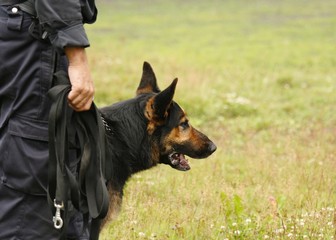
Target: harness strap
86, 186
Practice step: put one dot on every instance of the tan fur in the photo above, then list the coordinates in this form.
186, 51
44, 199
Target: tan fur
150, 115
114, 206
155, 154
178, 135
147, 89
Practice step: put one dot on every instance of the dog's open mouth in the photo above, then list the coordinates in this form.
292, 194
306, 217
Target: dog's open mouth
179, 162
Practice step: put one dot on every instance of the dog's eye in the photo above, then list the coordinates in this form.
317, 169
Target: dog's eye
184, 125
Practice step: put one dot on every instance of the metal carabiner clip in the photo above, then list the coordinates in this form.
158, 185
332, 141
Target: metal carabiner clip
58, 221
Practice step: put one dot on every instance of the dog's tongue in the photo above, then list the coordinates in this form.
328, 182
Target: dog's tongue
183, 164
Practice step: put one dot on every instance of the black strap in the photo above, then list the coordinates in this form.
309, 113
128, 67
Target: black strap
87, 186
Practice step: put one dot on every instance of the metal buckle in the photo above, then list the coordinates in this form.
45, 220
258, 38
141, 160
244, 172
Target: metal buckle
58, 221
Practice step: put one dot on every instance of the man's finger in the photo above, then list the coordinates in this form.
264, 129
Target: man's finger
82, 105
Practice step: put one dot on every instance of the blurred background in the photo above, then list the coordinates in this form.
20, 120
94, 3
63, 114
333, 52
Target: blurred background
259, 78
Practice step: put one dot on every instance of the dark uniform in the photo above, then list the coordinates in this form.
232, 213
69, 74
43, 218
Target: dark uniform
27, 64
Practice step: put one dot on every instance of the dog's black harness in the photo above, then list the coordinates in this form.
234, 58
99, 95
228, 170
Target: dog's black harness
83, 184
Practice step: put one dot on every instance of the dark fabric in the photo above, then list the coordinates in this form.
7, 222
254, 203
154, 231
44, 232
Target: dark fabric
75, 232
64, 19
10, 2
24, 216
24, 158
28, 217
26, 69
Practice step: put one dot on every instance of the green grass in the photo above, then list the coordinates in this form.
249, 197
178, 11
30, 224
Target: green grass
259, 78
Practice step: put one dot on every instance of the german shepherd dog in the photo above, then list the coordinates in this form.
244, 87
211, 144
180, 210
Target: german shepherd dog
147, 130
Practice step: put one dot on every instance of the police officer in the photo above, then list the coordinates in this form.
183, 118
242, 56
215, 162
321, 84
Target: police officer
37, 38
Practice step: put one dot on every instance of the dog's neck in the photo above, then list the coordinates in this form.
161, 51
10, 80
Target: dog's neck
127, 140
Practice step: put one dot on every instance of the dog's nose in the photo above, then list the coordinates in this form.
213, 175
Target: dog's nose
212, 147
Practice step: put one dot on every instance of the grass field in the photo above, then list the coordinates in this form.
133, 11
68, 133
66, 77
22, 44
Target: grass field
259, 77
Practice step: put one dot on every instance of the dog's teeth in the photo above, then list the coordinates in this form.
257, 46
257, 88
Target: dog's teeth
175, 161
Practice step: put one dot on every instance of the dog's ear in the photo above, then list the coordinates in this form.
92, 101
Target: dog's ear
148, 83
163, 100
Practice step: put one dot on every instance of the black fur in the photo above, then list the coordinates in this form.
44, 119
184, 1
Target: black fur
127, 140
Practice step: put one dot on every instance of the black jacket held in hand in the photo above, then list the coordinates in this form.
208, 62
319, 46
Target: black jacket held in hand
63, 21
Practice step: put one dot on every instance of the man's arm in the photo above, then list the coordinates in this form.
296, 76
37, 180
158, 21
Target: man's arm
63, 20
82, 89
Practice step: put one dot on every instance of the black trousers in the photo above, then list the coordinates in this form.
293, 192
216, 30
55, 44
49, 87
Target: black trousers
27, 65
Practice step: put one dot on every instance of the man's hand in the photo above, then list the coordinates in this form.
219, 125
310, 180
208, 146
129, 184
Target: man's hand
82, 89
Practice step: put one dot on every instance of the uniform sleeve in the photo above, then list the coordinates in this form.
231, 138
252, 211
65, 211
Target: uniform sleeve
64, 20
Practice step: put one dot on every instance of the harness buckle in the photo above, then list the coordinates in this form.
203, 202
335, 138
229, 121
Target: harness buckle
58, 221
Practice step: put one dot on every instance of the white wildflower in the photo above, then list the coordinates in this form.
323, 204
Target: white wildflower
150, 183
234, 98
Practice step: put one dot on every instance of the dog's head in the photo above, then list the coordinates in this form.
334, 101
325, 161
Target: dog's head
169, 127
